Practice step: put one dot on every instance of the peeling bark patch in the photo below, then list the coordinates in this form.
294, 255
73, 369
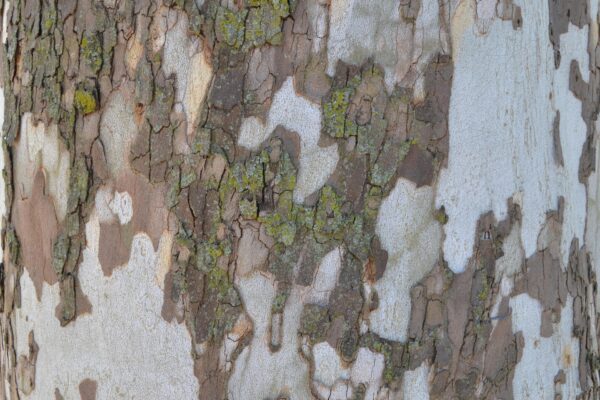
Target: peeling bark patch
415, 32
482, 174
333, 380
287, 157
316, 162
87, 389
410, 235
117, 130
26, 365
543, 357
416, 383
37, 229
151, 347
139, 207
41, 147
287, 370
185, 57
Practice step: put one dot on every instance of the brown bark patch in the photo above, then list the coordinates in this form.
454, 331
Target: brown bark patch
37, 228
149, 216
417, 167
87, 389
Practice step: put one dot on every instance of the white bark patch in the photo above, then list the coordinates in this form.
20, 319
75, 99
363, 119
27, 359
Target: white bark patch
368, 370
117, 130
121, 205
359, 29
506, 267
183, 56
124, 344
333, 380
328, 365
259, 373
500, 123
512, 260
296, 114
362, 29
5, 30
411, 236
415, 383
40, 147
325, 279
113, 206
544, 357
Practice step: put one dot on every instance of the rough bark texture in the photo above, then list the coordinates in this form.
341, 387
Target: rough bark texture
332, 199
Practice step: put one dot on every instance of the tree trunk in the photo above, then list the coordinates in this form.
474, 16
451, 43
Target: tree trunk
297, 199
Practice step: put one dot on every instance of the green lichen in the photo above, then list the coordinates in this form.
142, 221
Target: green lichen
52, 97
280, 229
201, 141
314, 322
335, 111
209, 252
13, 245
330, 221
405, 147
49, 18
248, 208
251, 177
60, 251
218, 280
223, 321
230, 26
91, 50
279, 302
84, 101
485, 290
187, 178
394, 361
265, 21
174, 187
480, 311
255, 25
80, 176
441, 216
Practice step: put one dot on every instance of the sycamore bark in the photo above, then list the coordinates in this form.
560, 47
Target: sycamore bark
297, 199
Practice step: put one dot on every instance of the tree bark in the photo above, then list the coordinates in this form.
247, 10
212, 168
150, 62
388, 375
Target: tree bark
297, 199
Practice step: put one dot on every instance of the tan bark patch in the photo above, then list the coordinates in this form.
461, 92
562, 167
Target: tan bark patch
87, 389
37, 229
149, 216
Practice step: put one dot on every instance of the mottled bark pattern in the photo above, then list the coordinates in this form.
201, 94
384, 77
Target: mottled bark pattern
267, 173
